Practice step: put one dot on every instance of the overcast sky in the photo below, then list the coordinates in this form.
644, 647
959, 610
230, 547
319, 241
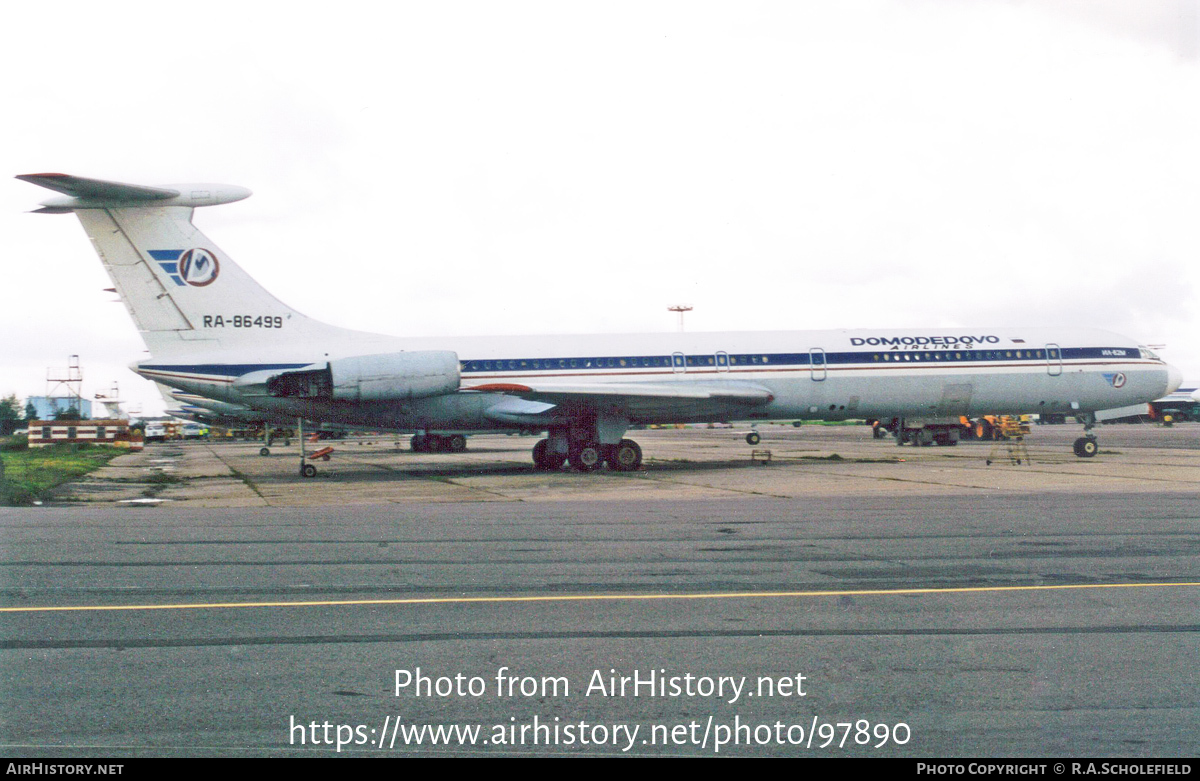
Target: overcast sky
430, 168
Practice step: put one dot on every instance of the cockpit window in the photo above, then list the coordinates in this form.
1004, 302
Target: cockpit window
1148, 353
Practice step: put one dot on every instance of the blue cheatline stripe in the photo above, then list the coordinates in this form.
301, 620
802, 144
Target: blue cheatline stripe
1032, 356
165, 254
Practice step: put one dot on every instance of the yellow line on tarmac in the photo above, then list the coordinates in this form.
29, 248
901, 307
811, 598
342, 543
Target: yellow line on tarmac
591, 597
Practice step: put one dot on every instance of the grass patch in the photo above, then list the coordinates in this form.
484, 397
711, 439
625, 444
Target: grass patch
14, 443
31, 475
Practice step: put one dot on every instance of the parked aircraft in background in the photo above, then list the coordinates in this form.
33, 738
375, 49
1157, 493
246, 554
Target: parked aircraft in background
209, 412
213, 331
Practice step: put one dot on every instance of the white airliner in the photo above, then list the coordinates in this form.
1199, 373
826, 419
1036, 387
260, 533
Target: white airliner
213, 331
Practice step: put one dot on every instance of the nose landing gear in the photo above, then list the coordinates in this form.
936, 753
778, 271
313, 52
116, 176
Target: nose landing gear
1087, 446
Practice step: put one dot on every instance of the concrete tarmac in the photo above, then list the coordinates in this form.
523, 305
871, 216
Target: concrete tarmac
886, 602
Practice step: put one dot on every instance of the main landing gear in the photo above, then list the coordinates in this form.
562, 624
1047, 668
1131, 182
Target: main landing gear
438, 443
587, 455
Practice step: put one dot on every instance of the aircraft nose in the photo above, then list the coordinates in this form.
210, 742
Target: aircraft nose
1174, 379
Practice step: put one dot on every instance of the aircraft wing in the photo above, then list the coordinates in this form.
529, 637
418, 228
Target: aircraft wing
534, 402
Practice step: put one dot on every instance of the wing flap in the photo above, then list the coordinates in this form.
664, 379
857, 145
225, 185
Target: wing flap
557, 393
545, 404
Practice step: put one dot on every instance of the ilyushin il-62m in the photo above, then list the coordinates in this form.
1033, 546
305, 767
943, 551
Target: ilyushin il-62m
213, 331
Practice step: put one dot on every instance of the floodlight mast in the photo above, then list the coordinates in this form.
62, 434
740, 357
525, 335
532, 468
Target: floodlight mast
680, 308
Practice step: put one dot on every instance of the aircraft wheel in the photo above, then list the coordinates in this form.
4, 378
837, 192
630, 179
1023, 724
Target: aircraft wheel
753, 438
457, 443
418, 443
625, 456
308, 470
586, 457
1086, 447
264, 451
544, 459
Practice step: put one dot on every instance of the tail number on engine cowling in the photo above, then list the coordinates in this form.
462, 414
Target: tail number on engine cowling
243, 321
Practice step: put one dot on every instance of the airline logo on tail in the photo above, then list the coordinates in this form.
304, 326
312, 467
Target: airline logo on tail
196, 267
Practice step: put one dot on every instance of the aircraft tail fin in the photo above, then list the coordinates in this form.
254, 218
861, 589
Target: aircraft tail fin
183, 292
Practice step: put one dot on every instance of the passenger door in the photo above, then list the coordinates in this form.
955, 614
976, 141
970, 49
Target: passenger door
1053, 360
816, 362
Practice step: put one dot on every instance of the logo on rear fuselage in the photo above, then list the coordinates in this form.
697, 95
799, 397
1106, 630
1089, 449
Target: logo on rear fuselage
196, 267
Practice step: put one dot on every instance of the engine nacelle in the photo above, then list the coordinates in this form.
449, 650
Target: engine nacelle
385, 377
395, 376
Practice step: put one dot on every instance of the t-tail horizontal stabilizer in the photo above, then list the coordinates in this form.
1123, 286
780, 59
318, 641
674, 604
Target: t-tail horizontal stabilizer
83, 193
